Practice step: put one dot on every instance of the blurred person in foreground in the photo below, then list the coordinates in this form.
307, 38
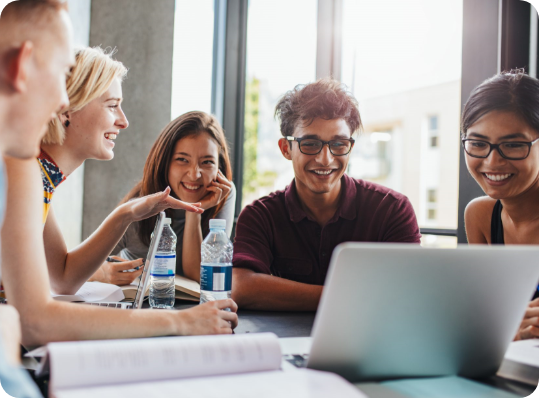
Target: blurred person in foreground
35, 57
284, 241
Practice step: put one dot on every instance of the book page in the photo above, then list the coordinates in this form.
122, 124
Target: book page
301, 384
187, 285
93, 292
91, 363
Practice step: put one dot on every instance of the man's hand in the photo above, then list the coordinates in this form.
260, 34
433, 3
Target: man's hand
529, 328
112, 272
150, 205
218, 191
208, 318
10, 333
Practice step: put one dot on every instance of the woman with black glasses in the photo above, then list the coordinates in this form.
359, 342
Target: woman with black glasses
500, 131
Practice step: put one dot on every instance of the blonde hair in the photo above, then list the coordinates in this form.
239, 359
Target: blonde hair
90, 78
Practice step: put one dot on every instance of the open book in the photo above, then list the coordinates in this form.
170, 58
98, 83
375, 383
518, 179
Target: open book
239, 366
186, 289
521, 362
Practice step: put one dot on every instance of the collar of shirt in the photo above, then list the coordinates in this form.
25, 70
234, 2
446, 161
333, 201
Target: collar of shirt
347, 206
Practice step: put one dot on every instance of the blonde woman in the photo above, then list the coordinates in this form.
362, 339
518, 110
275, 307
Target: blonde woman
87, 130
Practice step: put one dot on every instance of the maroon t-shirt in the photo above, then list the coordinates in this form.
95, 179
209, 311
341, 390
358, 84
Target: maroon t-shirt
275, 236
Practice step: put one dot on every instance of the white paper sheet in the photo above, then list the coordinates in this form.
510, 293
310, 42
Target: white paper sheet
301, 384
94, 292
91, 363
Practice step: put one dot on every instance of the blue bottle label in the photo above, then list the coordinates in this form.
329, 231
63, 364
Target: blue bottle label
215, 278
164, 265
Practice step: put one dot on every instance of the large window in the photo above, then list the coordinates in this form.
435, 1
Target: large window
281, 53
402, 61
192, 58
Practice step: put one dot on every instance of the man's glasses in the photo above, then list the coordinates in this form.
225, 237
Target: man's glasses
516, 150
313, 146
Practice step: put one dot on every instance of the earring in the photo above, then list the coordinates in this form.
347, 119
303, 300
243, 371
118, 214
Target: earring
67, 123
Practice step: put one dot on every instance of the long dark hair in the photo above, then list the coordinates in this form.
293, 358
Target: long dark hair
512, 91
155, 176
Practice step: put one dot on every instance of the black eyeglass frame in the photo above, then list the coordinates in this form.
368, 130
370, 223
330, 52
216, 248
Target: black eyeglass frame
497, 147
299, 139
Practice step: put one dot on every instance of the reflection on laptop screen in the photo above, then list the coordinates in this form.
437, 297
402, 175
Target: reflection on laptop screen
144, 280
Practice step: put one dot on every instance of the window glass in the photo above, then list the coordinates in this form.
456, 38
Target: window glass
443, 242
402, 61
192, 56
281, 53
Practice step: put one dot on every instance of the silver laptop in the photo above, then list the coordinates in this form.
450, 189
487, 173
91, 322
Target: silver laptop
390, 311
144, 277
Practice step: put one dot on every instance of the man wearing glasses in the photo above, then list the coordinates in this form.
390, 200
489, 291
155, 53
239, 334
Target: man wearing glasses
284, 241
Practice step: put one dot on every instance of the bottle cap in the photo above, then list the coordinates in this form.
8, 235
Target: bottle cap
166, 221
216, 223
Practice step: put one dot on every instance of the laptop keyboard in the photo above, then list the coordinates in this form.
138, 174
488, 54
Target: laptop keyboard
110, 305
299, 361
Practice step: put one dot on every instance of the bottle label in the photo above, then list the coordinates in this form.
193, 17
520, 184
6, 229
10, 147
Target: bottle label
215, 277
164, 265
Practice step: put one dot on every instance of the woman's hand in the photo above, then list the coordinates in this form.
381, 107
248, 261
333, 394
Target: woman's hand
112, 272
529, 328
150, 205
218, 191
208, 318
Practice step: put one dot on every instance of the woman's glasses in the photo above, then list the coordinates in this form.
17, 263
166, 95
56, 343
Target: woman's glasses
313, 146
515, 150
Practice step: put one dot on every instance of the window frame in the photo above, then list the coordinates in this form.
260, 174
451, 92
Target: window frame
501, 42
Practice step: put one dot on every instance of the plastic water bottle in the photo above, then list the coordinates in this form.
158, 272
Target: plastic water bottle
164, 270
216, 264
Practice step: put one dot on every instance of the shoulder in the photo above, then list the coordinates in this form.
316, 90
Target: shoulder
477, 219
370, 191
481, 207
266, 206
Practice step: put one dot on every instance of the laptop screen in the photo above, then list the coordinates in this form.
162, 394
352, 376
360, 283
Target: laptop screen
152, 250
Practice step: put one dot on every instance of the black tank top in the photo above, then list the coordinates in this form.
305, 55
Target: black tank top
496, 226
496, 232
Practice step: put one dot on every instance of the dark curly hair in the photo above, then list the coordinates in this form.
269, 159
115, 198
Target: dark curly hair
512, 91
326, 99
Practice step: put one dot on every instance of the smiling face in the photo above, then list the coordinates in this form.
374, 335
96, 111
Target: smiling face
501, 178
193, 167
318, 174
94, 128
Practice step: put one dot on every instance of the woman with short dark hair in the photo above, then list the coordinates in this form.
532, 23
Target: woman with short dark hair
500, 132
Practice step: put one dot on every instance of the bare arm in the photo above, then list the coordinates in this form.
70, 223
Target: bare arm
477, 218
256, 291
192, 240
26, 281
69, 270
10, 334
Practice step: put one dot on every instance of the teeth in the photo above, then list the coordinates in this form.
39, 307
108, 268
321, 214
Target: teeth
323, 172
111, 136
191, 186
497, 177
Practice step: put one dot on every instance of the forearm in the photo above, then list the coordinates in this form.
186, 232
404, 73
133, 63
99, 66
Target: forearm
84, 261
192, 241
10, 334
257, 291
54, 321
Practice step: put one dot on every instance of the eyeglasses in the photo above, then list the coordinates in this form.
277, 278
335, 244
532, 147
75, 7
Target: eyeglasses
313, 146
516, 150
